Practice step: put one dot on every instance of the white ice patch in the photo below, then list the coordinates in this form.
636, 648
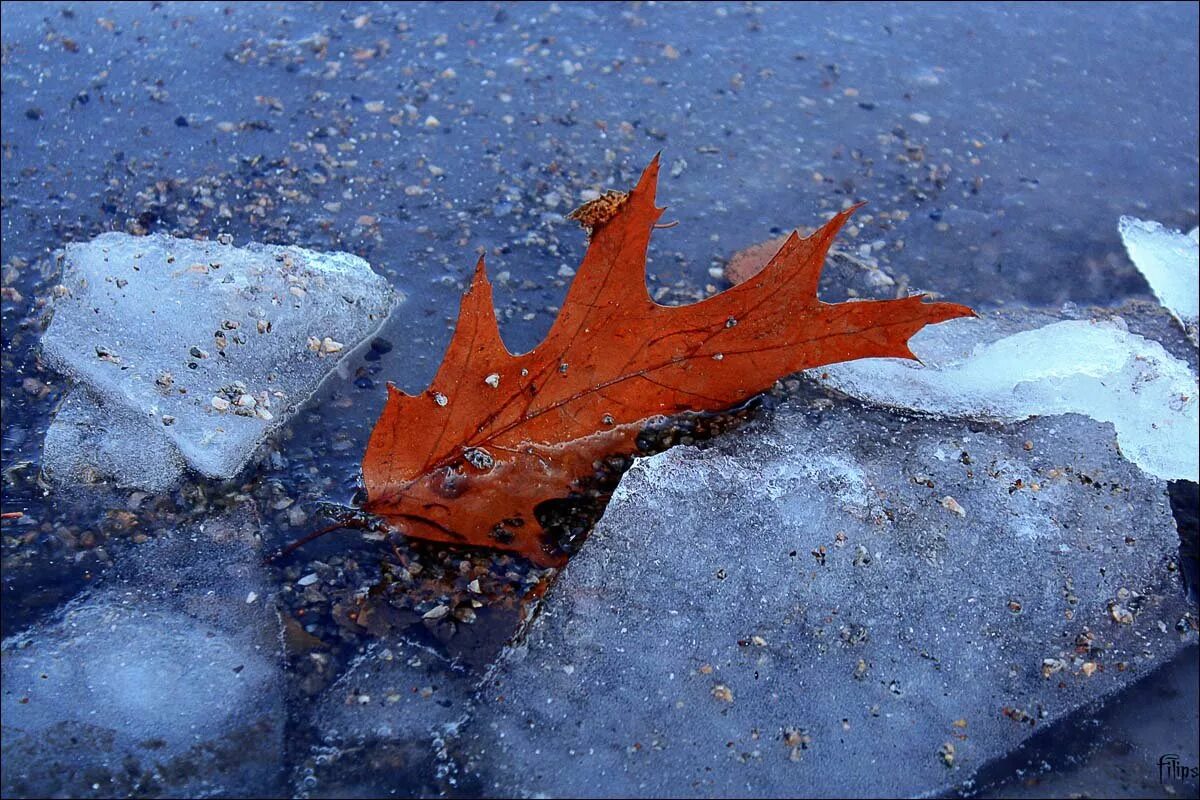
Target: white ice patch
1170, 261
836, 474
1098, 369
148, 674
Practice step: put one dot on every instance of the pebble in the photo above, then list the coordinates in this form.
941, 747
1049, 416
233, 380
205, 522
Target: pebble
437, 612
950, 504
1120, 614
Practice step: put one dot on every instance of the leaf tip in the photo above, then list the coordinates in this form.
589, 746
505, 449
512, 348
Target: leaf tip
839, 219
956, 310
650, 173
479, 278
646, 189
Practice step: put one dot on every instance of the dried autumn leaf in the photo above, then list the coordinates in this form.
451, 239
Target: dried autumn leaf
468, 460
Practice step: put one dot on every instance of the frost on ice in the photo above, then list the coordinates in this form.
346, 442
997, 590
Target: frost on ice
1170, 261
93, 439
1096, 368
191, 352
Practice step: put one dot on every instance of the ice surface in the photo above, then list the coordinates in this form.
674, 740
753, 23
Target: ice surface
162, 681
836, 603
198, 348
93, 440
382, 724
393, 690
1096, 368
1170, 261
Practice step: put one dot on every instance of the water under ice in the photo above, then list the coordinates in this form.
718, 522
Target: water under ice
1096, 368
199, 347
1170, 261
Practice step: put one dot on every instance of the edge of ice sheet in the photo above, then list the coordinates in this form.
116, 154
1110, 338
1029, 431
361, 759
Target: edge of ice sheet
1095, 368
1170, 262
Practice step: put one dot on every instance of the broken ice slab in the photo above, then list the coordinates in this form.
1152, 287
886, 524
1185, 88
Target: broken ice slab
162, 681
1170, 262
1015, 365
381, 725
195, 348
81, 448
836, 603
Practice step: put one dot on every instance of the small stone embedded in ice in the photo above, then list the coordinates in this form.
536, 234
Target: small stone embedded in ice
152, 304
1170, 262
950, 504
437, 612
1096, 368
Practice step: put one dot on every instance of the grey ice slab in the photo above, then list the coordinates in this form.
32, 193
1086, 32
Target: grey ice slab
163, 681
206, 346
845, 603
92, 440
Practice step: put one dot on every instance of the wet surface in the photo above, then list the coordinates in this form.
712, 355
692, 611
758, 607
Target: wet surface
996, 147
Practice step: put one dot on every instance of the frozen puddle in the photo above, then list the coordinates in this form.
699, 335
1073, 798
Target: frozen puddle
843, 602
191, 352
982, 369
164, 681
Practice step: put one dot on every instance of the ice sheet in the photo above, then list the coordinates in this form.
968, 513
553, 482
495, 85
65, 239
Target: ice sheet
1095, 368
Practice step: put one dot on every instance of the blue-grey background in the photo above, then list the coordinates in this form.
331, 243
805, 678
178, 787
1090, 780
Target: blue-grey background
995, 144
